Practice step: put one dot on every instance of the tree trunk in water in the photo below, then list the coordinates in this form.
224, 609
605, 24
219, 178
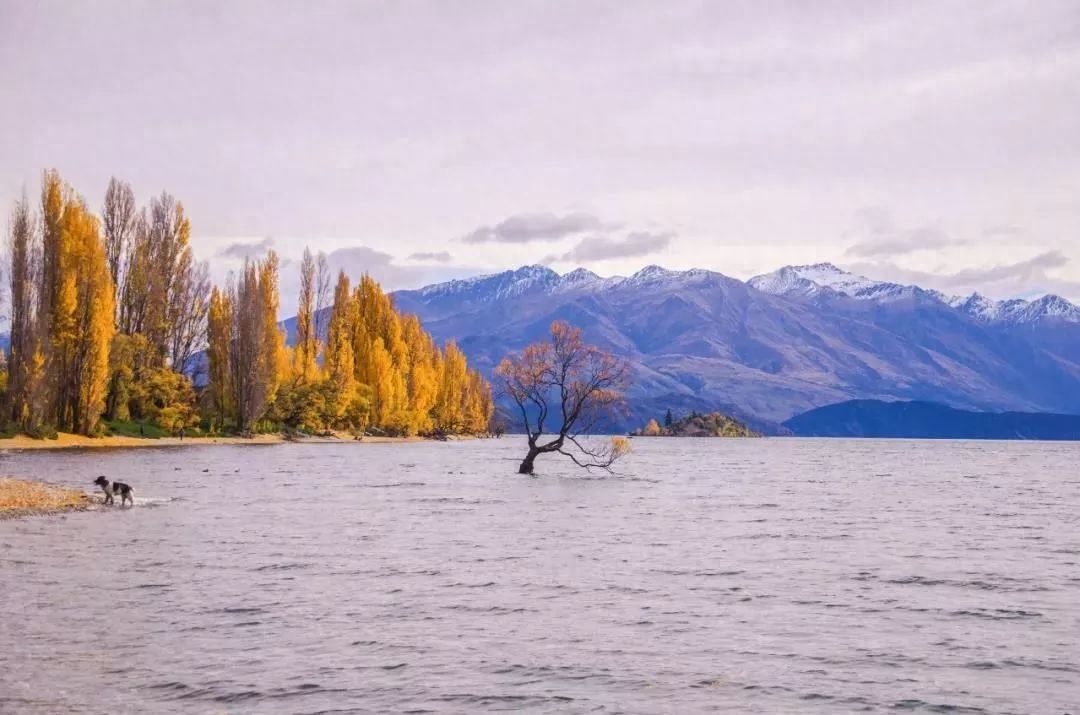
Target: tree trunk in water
527, 464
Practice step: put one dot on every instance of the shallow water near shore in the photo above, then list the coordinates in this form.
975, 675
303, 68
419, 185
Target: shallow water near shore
766, 576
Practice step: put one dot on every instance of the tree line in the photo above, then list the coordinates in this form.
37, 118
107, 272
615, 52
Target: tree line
111, 315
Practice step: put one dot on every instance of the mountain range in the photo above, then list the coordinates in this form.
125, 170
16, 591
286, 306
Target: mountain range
777, 345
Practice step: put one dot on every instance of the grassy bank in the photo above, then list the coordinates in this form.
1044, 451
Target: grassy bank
19, 497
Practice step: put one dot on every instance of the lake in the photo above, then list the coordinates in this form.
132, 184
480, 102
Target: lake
767, 576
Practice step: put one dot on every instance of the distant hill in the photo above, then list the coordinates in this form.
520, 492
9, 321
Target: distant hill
928, 420
715, 424
775, 346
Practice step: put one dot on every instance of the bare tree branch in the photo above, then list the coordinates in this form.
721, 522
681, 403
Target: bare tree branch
586, 382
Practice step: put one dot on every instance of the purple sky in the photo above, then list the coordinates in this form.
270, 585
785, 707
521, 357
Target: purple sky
936, 142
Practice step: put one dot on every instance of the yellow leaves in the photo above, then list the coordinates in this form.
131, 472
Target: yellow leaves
382, 382
257, 357
478, 403
272, 351
340, 363
449, 406
77, 305
380, 369
219, 331
390, 375
620, 447
183, 226
306, 353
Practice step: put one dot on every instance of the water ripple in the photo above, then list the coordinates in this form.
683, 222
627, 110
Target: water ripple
752, 576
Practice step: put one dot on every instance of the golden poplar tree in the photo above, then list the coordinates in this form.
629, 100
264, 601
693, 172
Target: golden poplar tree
273, 363
478, 404
450, 401
80, 310
307, 342
95, 301
424, 372
219, 335
257, 356
382, 384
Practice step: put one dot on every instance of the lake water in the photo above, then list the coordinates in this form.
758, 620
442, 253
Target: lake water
707, 575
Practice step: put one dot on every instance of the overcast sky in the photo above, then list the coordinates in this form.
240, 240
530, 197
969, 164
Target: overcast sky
936, 142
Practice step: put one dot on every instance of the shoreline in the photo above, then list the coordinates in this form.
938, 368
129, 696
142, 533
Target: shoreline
73, 441
27, 497
21, 497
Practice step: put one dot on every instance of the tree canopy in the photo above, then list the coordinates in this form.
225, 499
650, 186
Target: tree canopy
566, 389
109, 314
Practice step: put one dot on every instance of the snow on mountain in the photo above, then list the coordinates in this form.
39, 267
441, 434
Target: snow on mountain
579, 279
789, 282
496, 286
1017, 311
805, 281
809, 280
786, 281
977, 306
648, 274
541, 279
1048, 307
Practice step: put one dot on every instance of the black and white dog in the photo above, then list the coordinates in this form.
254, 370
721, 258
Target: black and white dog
111, 489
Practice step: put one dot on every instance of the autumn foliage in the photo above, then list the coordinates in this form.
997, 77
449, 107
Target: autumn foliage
63, 301
109, 315
565, 388
378, 371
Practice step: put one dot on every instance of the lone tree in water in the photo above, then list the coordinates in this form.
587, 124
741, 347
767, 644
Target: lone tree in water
567, 386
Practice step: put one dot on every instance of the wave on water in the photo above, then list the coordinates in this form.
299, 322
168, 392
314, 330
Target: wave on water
154, 502
222, 692
435, 580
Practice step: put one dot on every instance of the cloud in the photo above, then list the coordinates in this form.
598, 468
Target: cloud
1003, 231
242, 250
879, 236
1029, 271
1028, 277
437, 257
919, 239
358, 260
527, 228
383, 267
602, 248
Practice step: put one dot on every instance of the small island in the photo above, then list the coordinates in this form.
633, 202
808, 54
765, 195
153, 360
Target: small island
714, 424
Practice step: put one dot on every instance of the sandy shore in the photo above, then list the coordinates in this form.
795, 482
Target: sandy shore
19, 497
74, 441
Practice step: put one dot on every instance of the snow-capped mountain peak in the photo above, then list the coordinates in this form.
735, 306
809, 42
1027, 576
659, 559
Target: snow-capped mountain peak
578, 278
804, 281
808, 280
1017, 310
497, 285
789, 282
1049, 306
649, 274
977, 305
